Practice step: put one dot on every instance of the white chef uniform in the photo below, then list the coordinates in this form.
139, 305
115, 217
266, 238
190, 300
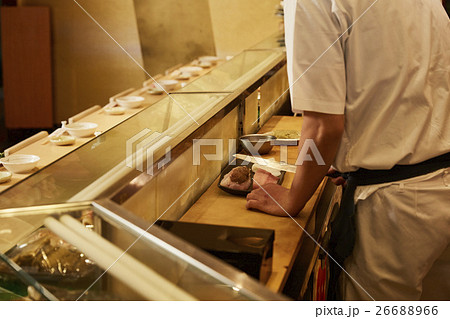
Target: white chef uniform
386, 66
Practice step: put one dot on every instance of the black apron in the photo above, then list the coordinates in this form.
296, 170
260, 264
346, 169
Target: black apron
342, 238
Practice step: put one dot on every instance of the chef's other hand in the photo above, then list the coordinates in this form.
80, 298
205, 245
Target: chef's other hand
268, 199
336, 177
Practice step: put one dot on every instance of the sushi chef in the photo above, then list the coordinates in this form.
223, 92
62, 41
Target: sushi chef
372, 79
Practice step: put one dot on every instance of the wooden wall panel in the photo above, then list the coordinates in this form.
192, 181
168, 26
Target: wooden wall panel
27, 73
88, 66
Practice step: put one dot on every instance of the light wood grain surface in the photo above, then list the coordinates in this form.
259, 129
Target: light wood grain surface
218, 207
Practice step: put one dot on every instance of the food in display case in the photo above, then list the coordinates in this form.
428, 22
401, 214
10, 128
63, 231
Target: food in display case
48, 258
52, 262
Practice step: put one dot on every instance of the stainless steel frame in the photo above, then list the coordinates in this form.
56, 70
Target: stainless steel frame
185, 251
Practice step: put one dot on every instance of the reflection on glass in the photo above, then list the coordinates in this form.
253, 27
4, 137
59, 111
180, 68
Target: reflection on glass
139, 265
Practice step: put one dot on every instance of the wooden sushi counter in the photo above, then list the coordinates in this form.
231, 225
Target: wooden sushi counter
218, 207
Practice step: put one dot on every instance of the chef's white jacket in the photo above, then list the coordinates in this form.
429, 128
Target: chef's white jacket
385, 65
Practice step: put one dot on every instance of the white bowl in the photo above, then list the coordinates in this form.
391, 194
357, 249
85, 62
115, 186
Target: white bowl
130, 101
194, 70
168, 85
63, 140
81, 129
20, 163
211, 59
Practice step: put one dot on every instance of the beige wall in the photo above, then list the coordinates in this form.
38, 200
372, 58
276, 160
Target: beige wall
173, 32
239, 24
88, 67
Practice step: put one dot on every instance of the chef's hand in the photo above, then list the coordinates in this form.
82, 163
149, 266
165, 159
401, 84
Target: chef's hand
272, 199
335, 177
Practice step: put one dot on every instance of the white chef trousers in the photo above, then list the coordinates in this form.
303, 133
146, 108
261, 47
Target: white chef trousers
402, 247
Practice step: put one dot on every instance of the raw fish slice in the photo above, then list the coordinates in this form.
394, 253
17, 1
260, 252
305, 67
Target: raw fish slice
263, 177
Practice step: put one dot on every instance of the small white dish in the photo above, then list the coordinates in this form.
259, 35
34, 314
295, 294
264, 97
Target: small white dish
117, 110
205, 64
168, 85
210, 59
81, 129
20, 163
155, 91
194, 70
184, 76
130, 101
5, 176
63, 140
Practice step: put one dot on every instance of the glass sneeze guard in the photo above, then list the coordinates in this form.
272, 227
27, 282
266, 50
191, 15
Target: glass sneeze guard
173, 118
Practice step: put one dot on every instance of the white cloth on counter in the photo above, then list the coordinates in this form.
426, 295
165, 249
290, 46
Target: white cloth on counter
389, 74
415, 215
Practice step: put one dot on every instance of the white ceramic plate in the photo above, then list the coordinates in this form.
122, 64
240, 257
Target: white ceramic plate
155, 91
194, 70
5, 176
183, 76
205, 64
210, 59
63, 140
168, 85
117, 110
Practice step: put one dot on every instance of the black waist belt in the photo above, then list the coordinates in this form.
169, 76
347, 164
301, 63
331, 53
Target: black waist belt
343, 231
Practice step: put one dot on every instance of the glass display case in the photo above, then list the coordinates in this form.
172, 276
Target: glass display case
99, 251
161, 125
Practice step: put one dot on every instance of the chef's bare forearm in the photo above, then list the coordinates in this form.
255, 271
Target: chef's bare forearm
326, 131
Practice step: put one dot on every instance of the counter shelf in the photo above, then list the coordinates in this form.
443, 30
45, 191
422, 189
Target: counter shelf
106, 154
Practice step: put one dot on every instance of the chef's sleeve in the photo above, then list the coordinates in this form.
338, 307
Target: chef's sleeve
315, 36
